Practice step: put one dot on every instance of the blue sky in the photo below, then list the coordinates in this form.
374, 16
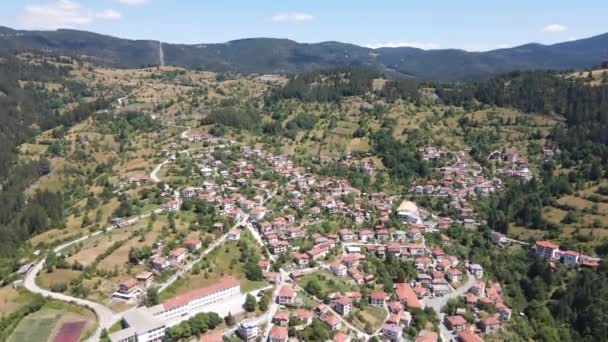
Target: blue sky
466, 24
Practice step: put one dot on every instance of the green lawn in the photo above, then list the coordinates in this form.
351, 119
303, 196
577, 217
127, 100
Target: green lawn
329, 282
223, 261
373, 315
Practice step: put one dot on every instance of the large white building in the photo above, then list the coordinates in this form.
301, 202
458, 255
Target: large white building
409, 212
149, 324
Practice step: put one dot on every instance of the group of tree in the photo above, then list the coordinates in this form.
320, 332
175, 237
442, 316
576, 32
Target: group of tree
195, 326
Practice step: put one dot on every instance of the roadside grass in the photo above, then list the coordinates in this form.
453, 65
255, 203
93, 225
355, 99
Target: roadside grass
12, 299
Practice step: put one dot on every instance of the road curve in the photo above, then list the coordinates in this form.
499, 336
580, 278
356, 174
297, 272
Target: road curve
105, 316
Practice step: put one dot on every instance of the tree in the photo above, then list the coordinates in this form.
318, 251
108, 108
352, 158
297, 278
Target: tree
313, 287
265, 301
250, 303
229, 320
152, 297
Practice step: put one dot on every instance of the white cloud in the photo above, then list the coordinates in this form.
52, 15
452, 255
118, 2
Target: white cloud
132, 2
554, 28
61, 14
292, 17
109, 14
504, 46
418, 45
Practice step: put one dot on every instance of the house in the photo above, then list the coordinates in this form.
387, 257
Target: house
546, 250
467, 336
342, 337
476, 270
395, 307
144, 279
177, 256
281, 318
423, 263
569, 258
304, 315
171, 206
366, 235
233, 235
248, 331
456, 323
352, 260
128, 290
415, 249
454, 275
287, 295
188, 192
193, 243
264, 265
257, 213
414, 234
278, 334
318, 252
478, 288
407, 296
338, 269
159, 263
206, 172
377, 298
427, 336
301, 259
504, 313
392, 332
408, 212
346, 235
489, 325
343, 305
278, 247
332, 320
212, 337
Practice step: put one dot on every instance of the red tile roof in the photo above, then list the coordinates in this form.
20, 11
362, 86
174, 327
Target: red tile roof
286, 291
278, 332
546, 244
212, 337
378, 295
406, 294
456, 320
222, 284
467, 336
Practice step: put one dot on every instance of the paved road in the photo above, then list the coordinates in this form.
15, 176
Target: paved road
438, 303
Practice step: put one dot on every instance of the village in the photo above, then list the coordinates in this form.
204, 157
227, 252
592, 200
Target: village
319, 243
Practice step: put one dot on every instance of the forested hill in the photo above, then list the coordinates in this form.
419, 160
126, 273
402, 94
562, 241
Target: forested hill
265, 55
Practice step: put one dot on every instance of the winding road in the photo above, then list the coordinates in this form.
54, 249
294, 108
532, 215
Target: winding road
106, 317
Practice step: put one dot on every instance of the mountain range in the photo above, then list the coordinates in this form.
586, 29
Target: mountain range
269, 55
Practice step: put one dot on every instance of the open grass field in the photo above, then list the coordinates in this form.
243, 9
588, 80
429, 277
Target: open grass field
223, 261
46, 280
91, 248
329, 282
373, 315
121, 256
